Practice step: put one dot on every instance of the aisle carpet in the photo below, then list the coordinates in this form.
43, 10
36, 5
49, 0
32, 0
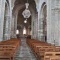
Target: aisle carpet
25, 52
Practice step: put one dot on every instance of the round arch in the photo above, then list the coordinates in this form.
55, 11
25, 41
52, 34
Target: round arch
6, 21
43, 21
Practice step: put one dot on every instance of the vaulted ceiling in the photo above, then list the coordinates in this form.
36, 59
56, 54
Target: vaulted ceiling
22, 2
31, 2
20, 19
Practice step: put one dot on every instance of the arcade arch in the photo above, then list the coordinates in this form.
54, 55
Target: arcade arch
6, 25
43, 22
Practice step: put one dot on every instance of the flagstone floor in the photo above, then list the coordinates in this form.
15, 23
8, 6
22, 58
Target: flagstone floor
25, 52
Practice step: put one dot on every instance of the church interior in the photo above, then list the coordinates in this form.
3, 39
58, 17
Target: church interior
29, 30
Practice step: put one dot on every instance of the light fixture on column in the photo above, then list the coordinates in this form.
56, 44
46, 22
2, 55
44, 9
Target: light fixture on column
26, 13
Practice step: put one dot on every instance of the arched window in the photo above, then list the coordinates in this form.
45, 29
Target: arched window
24, 31
17, 31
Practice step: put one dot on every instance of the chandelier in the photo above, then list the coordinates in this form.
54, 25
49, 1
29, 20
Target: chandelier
26, 13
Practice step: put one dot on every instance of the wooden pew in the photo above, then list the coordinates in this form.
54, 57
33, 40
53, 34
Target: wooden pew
39, 48
42, 51
55, 58
9, 48
52, 56
7, 54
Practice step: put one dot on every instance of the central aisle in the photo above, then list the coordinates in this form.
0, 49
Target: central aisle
25, 52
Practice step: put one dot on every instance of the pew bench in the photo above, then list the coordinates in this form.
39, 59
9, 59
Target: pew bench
39, 48
9, 48
52, 55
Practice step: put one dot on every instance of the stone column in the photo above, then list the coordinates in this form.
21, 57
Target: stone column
11, 19
7, 26
36, 25
12, 28
49, 24
59, 28
15, 24
2, 9
40, 27
32, 27
7, 23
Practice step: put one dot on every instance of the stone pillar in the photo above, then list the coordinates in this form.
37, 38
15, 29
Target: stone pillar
7, 30
36, 25
12, 28
7, 23
11, 19
49, 24
59, 28
15, 24
32, 27
40, 27
2, 9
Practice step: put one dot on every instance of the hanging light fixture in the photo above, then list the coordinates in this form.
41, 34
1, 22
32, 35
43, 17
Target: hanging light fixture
26, 13
25, 21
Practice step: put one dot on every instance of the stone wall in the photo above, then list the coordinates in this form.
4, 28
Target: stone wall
53, 21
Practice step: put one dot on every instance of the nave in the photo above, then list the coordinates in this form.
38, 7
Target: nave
25, 52
35, 19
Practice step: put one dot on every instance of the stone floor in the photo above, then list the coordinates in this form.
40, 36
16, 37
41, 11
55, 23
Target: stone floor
25, 52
